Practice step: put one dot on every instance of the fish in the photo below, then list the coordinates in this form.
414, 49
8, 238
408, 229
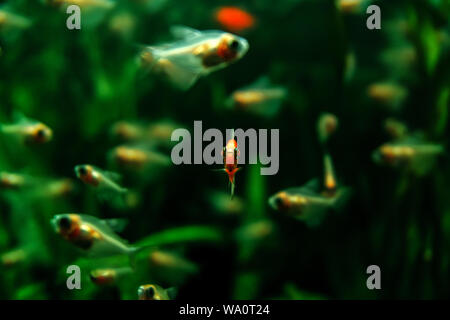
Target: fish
13, 257
308, 203
389, 94
193, 55
104, 182
93, 236
352, 6
234, 19
12, 22
412, 154
221, 203
230, 154
260, 98
255, 230
154, 292
55, 188
93, 12
28, 131
15, 181
108, 276
169, 260
158, 133
396, 129
138, 158
83, 4
326, 127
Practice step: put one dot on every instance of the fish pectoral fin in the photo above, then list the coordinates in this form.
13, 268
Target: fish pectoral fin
183, 32
183, 71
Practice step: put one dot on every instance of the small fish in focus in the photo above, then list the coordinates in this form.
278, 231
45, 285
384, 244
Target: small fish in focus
387, 93
412, 154
104, 182
223, 204
352, 6
326, 126
230, 154
27, 131
154, 292
261, 98
13, 257
108, 276
195, 54
92, 235
234, 19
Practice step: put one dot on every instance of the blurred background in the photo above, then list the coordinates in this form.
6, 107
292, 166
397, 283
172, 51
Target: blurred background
82, 82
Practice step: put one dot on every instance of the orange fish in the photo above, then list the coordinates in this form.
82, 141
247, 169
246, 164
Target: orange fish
234, 18
230, 154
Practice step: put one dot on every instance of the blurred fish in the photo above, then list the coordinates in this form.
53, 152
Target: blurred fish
412, 154
108, 276
194, 55
350, 66
104, 182
353, 6
396, 129
255, 230
13, 257
308, 203
169, 260
93, 12
11, 23
158, 133
326, 126
92, 235
14, 181
54, 188
83, 4
123, 24
138, 158
234, 19
387, 93
260, 98
154, 292
27, 130
222, 203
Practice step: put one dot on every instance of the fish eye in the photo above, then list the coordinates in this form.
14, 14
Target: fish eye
279, 202
234, 45
40, 133
82, 171
150, 292
64, 223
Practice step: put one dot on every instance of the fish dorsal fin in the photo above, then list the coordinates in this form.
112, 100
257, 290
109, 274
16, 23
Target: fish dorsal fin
313, 185
184, 33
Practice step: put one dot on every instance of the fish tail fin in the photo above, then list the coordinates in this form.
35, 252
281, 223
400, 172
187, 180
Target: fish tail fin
180, 71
